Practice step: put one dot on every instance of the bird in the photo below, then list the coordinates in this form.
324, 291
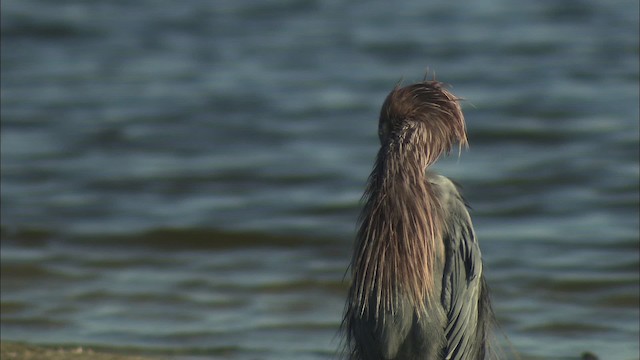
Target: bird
417, 289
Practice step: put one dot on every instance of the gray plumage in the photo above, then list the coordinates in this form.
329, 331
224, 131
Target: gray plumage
418, 290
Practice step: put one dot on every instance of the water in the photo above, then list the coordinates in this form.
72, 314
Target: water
183, 177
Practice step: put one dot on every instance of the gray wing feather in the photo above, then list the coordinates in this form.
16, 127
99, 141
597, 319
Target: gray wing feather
462, 279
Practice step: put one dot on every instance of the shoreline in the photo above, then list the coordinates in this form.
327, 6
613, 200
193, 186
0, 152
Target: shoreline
25, 351
17, 350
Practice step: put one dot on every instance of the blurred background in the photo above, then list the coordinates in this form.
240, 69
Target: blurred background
183, 177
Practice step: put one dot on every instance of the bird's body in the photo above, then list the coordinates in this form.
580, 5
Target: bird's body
418, 291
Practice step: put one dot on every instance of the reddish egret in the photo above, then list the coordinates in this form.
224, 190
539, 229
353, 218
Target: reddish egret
417, 288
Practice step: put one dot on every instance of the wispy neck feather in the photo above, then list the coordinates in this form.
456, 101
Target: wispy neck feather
399, 234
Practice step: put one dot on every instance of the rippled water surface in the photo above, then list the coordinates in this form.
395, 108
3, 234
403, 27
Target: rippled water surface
183, 178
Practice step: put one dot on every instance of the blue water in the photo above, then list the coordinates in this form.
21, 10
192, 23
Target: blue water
184, 177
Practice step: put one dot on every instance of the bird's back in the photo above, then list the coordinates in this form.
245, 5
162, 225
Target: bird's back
453, 325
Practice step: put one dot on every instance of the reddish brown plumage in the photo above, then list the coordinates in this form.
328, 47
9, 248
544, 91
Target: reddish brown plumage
399, 238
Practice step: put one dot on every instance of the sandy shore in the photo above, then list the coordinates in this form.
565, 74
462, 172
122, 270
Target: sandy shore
21, 351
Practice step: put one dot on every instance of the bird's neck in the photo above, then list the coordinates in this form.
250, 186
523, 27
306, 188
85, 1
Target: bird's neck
402, 165
399, 234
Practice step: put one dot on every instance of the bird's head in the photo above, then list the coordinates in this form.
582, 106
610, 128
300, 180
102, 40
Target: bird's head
423, 117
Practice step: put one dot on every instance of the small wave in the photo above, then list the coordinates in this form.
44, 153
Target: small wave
21, 26
163, 239
568, 328
34, 323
